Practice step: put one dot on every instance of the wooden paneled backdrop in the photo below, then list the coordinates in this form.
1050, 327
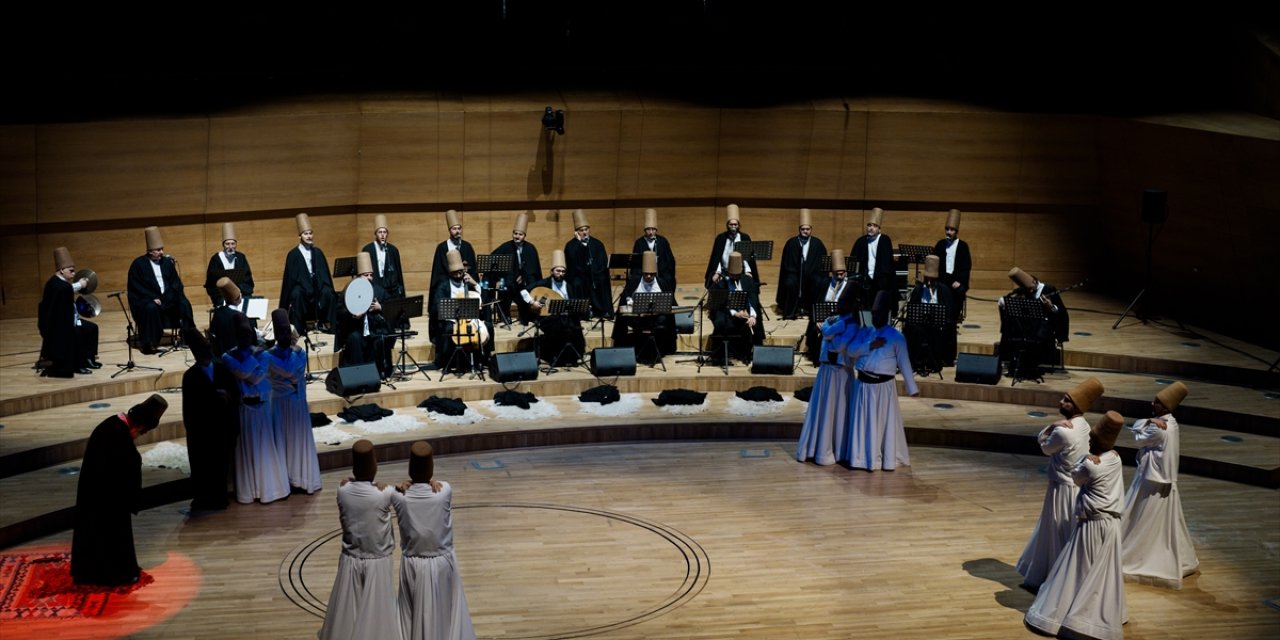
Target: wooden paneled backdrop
1057, 195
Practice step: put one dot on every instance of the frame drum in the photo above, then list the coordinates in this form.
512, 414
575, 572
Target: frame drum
358, 296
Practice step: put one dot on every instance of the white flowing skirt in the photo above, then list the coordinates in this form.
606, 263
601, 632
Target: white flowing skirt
260, 464
824, 422
1156, 547
875, 437
363, 601
432, 603
293, 423
1084, 593
1053, 529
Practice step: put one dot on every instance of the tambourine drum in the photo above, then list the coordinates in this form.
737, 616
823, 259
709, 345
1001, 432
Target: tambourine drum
91, 276
358, 296
88, 306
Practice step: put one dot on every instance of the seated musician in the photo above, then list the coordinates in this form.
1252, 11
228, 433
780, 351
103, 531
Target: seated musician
361, 338
837, 283
555, 332
471, 335
222, 327
155, 294
1032, 343
932, 348
630, 330
307, 287
741, 329
70, 343
525, 268
223, 263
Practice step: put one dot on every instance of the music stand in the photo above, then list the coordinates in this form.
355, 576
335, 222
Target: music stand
495, 263
344, 267
398, 312
128, 340
1027, 314
823, 310
726, 299
577, 309
928, 321
650, 305
459, 310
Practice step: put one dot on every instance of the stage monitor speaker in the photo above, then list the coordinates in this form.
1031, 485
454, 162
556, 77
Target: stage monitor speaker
614, 361
1154, 210
353, 381
684, 322
775, 360
974, 367
514, 366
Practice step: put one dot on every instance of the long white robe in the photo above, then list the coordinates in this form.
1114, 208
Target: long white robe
1157, 546
1084, 592
259, 461
876, 438
433, 605
287, 368
362, 603
822, 435
1065, 447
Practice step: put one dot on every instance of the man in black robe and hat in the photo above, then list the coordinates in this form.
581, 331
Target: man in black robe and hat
156, 294
211, 417
307, 288
70, 343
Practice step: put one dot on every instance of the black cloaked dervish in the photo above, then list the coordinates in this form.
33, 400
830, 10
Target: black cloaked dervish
69, 342
724, 244
211, 418
800, 274
661, 248
224, 263
222, 326
156, 293
307, 287
587, 267
525, 268
387, 271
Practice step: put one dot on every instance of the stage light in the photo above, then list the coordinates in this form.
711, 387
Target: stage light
553, 120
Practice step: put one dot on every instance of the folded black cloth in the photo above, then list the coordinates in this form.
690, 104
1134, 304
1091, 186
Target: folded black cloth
367, 412
447, 406
514, 399
679, 396
319, 419
804, 394
604, 394
760, 394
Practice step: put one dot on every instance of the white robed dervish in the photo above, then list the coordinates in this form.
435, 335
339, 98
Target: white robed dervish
1084, 591
259, 463
822, 435
287, 368
1157, 547
362, 603
1065, 442
433, 605
876, 438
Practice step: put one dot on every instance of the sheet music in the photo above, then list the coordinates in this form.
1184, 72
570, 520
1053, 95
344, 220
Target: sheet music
257, 308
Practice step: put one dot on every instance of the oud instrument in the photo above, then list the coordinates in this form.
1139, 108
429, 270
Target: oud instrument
543, 295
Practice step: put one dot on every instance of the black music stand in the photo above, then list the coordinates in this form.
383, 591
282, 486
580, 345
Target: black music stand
459, 310
577, 309
344, 267
648, 306
398, 312
915, 254
495, 263
129, 334
725, 299
1028, 319
926, 322
618, 262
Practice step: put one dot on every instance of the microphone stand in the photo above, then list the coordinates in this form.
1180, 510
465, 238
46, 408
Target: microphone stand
128, 340
701, 359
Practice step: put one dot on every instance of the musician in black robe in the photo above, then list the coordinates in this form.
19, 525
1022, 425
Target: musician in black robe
107, 493
525, 268
652, 241
555, 332
222, 326
799, 274
957, 262
307, 287
224, 263
833, 287
473, 336
156, 295
387, 272
723, 245
653, 336
741, 329
440, 264
876, 269
211, 418
1030, 344
69, 343
362, 338
588, 267
932, 347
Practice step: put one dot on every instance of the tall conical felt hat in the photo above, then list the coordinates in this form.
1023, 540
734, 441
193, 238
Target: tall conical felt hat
837, 260
364, 463
380, 222
154, 239
421, 461
877, 217
522, 223
932, 266
228, 289
151, 409
953, 218
649, 262
1086, 393
1172, 395
881, 303
280, 325
1106, 429
650, 218
557, 259
735, 264
580, 219
1021, 278
731, 214
452, 218
228, 231
806, 218
303, 222
364, 263
453, 261
62, 259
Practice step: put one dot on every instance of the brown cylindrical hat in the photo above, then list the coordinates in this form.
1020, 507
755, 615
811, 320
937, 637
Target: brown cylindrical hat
877, 217
1173, 395
281, 327
806, 218
303, 222
650, 218
580, 219
648, 262
932, 266
837, 260
62, 259
1021, 278
452, 218
557, 259
364, 463
881, 303
150, 411
453, 261
154, 239
364, 263
735, 264
731, 214
228, 289
380, 222
953, 218
198, 344
228, 231
1106, 429
421, 461
1086, 393
522, 223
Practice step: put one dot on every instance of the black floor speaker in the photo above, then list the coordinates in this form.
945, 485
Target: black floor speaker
684, 322
775, 360
514, 366
614, 361
353, 381
974, 367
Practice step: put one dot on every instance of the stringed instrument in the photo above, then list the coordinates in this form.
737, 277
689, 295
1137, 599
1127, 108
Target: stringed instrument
543, 295
472, 333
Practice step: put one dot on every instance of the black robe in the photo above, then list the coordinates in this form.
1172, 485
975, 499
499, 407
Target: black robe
440, 272
211, 417
964, 264
631, 331
217, 270
392, 277
305, 295
174, 310
932, 348
222, 330
65, 345
885, 277
107, 495
734, 331
555, 332
587, 270
800, 277
666, 262
355, 347
523, 271
1033, 342
717, 254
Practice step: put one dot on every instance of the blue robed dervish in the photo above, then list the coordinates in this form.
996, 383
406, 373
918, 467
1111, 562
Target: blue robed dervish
822, 436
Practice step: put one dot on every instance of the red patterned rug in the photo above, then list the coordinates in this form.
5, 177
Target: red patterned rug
37, 586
